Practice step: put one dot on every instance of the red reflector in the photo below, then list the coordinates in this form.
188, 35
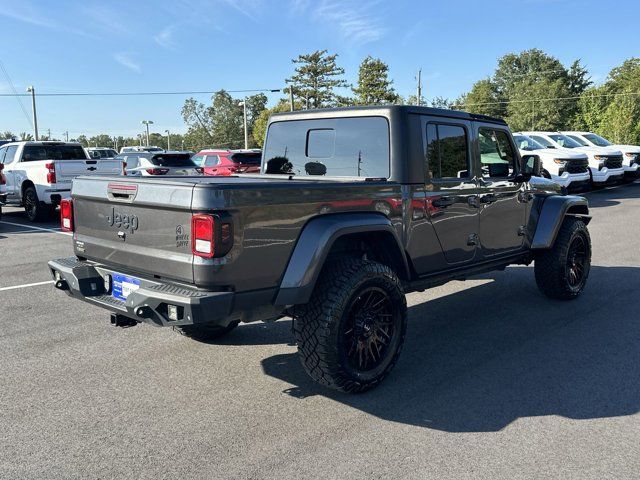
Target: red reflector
66, 215
157, 171
202, 236
51, 172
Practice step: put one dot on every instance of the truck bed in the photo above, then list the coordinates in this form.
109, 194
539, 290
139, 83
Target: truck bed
142, 226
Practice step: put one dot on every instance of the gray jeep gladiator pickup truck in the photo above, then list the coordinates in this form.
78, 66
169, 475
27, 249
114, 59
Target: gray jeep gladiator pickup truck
353, 209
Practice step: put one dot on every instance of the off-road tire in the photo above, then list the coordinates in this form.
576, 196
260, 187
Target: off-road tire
319, 325
205, 332
552, 269
35, 210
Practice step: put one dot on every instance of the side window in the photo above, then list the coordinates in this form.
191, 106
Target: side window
211, 160
496, 154
3, 150
132, 161
11, 154
447, 153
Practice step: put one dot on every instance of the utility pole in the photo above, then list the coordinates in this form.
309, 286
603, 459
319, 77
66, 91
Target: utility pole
66, 136
48, 134
246, 131
33, 106
147, 123
419, 89
168, 140
291, 99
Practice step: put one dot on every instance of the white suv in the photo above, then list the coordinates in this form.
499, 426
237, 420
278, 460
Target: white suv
631, 159
568, 168
605, 164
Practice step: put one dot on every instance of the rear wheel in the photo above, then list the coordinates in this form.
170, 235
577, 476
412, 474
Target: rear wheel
36, 210
205, 332
351, 332
562, 271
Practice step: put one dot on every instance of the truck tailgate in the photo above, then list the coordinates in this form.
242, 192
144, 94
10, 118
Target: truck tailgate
67, 170
140, 226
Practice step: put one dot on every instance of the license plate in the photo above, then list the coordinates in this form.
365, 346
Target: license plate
123, 285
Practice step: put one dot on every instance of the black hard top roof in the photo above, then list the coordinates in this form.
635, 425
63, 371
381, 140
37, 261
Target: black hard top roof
387, 110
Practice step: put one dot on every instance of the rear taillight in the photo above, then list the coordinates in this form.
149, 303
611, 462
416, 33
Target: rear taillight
203, 230
211, 235
157, 171
66, 215
51, 172
124, 168
3, 180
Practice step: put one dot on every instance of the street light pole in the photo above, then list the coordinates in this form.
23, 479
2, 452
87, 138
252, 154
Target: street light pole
246, 131
147, 123
33, 106
168, 140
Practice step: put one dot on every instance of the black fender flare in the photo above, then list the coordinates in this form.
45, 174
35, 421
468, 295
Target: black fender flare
314, 244
553, 212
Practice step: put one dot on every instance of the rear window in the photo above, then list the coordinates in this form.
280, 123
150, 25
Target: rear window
173, 160
34, 153
247, 158
340, 147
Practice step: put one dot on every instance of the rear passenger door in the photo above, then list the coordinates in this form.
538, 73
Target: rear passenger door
451, 188
503, 202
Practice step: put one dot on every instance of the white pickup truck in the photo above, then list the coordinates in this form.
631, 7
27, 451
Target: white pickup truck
631, 159
568, 168
38, 175
605, 164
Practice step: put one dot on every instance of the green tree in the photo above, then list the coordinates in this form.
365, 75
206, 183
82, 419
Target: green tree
374, 86
484, 98
532, 109
25, 137
442, 102
620, 120
7, 135
227, 120
316, 77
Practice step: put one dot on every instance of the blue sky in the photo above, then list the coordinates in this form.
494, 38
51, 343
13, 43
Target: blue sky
194, 45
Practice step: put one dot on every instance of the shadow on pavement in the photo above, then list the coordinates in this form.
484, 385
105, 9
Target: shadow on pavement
613, 196
481, 358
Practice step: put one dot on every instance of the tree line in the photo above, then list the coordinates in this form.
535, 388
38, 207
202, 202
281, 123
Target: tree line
531, 90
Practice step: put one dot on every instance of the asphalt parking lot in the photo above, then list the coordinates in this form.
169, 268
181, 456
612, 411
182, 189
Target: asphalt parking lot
495, 381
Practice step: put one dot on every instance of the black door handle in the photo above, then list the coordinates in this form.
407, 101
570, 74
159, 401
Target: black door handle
443, 202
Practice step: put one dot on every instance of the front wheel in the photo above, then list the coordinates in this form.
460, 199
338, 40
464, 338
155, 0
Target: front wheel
351, 332
562, 271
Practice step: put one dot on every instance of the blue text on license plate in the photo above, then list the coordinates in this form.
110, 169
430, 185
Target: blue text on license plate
123, 285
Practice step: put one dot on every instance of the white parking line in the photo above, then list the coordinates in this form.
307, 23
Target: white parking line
32, 227
2, 289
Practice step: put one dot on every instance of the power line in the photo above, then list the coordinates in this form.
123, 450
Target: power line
574, 97
15, 93
131, 94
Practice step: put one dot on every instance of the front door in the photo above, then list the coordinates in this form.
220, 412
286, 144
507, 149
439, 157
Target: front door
502, 200
451, 189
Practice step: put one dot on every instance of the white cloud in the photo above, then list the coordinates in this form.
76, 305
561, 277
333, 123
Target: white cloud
126, 61
104, 17
355, 21
165, 37
24, 11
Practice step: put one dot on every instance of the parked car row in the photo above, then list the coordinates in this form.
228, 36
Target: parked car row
581, 160
38, 175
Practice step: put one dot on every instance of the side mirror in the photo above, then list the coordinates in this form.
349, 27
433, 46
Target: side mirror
531, 166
